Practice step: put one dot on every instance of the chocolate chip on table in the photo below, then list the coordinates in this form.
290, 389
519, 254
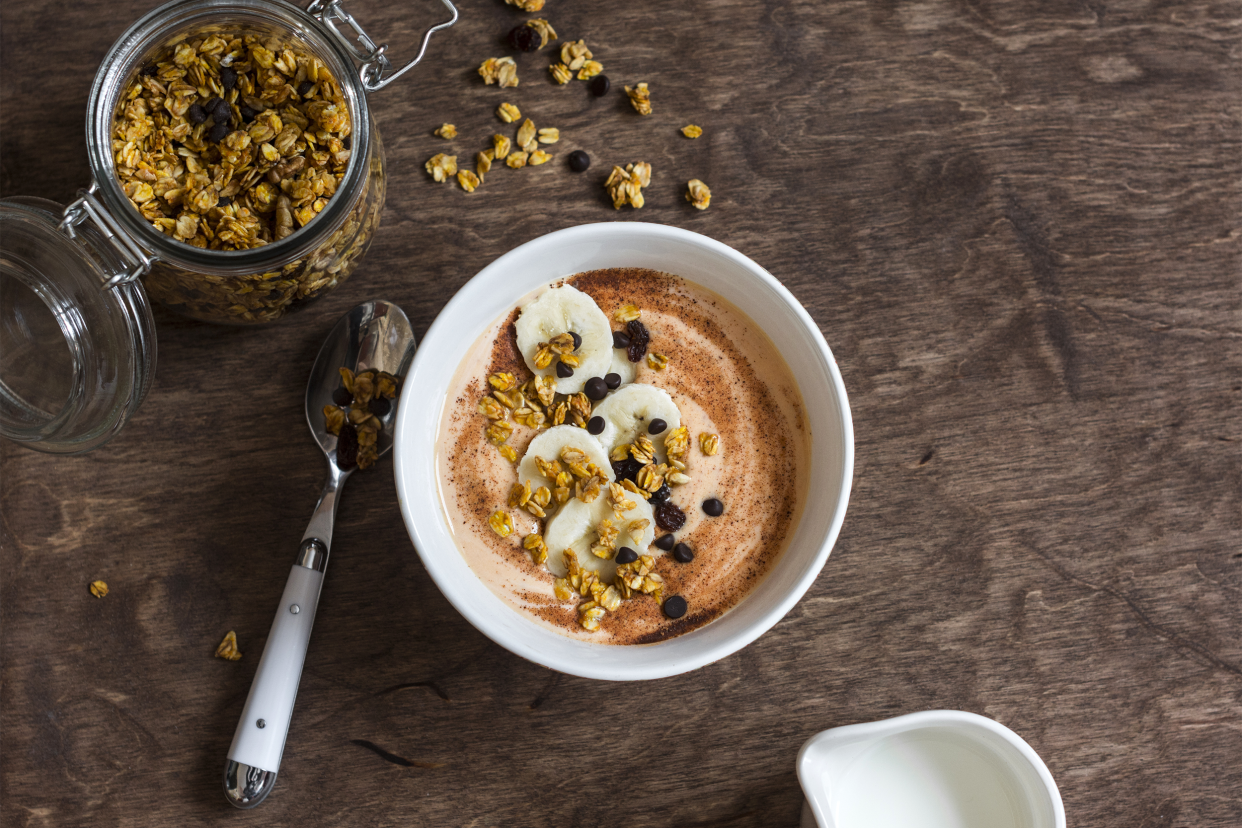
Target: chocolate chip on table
661, 494
613, 381
196, 114
626, 555
218, 133
656, 426
595, 425
577, 339
668, 517
596, 389
228, 78
599, 85
304, 88
639, 337
563, 370
620, 340
342, 397
380, 406
248, 114
713, 507
626, 469
579, 161
682, 553
665, 542
675, 606
524, 39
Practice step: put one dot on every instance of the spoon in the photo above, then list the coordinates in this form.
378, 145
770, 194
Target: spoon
375, 335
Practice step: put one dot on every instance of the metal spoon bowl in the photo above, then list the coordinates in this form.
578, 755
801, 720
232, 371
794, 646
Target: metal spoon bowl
374, 335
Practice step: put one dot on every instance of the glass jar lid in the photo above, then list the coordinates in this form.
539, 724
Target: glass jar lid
77, 340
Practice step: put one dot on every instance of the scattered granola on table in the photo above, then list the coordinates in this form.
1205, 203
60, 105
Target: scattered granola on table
355, 413
441, 167
501, 71
99, 589
508, 113
640, 98
625, 186
527, 5
698, 194
228, 647
468, 180
446, 131
692, 131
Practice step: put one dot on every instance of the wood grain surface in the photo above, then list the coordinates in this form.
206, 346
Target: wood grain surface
1017, 225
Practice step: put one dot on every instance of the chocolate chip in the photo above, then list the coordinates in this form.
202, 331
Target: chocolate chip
563, 370
304, 88
347, 447
196, 114
212, 103
248, 114
713, 507
149, 70
661, 494
626, 555
665, 542
524, 39
599, 85
218, 133
639, 337
228, 78
613, 381
380, 406
682, 553
595, 425
620, 340
347, 142
626, 469
668, 517
579, 161
223, 113
656, 426
675, 606
224, 201
596, 389
342, 397
577, 340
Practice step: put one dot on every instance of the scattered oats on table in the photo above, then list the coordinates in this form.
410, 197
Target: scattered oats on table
527, 5
539, 157
560, 73
441, 167
549, 135
508, 113
590, 69
525, 138
467, 180
698, 194
446, 131
640, 98
483, 162
502, 71
99, 589
692, 131
517, 160
228, 647
500, 147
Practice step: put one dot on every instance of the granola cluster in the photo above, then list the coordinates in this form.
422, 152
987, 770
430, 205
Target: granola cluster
640, 98
625, 186
575, 58
522, 150
355, 415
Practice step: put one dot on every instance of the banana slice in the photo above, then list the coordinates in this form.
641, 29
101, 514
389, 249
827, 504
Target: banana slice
576, 527
548, 445
622, 367
630, 409
563, 310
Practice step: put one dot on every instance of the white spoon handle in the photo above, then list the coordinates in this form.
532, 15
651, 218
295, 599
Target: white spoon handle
260, 737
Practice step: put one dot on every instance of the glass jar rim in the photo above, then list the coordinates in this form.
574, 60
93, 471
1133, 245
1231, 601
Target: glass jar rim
119, 66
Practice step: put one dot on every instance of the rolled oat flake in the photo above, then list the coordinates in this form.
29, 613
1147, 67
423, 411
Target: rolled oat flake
212, 237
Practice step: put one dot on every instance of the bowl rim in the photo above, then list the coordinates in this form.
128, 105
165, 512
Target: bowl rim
596, 233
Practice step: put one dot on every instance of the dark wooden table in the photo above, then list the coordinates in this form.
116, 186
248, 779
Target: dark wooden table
1018, 227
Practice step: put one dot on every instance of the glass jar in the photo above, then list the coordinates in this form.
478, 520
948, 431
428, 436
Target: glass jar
74, 365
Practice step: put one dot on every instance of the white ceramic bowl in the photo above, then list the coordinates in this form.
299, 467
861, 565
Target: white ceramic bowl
934, 769
717, 267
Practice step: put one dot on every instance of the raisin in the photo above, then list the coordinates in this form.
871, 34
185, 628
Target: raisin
304, 88
347, 448
661, 494
379, 406
149, 70
668, 517
228, 78
342, 397
625, 469
524, 39
639, 337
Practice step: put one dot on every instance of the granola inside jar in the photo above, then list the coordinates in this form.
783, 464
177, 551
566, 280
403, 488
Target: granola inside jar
233, 141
